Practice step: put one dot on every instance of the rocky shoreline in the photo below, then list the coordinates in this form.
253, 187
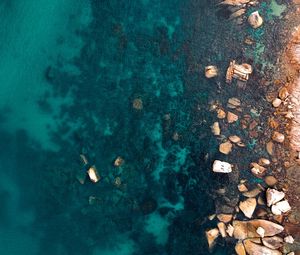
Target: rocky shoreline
262, 216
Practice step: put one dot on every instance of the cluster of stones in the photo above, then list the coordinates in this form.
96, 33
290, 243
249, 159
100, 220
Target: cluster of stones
238, 9
254, 236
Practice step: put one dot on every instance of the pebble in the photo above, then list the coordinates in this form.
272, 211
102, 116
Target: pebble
233, 102
270, 148
281, 207
221, 114
289, 239
283, 93
264, 162
276, 102
224, 217
257, 170
242, 187
278, 137
222, 228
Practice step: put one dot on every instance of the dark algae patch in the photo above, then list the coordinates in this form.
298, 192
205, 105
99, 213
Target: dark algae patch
118, 88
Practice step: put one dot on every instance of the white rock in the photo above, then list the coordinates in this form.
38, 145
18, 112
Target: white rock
281, 207
273, 196
230, 230
255, 20
260, 231
289, 239
221, 167
276, 102
211, 71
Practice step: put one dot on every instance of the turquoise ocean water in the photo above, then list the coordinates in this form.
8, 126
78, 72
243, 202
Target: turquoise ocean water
69, 73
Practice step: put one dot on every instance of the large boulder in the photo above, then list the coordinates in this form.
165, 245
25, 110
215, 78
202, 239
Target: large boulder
247, 229
256, 249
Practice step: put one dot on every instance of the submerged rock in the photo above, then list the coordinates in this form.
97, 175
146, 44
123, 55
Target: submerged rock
118, 161
211, 236
248, 207
221, 167
215, 128
273, 196
255, 20
93, 174
211, 71
281, 207
225, 148
256, 249
137, 104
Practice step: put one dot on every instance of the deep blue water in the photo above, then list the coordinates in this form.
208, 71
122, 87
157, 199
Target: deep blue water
69, 74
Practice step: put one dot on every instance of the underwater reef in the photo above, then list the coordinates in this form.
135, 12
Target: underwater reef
114, 112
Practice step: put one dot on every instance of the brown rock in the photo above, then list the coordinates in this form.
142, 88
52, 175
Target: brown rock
283, 93
233, 102
264, 162
274, 242
221, 114
248, 207
253, 124
211, 71
247, 229
278, 137
270, 148
230, 230
240, 249
270, 180
252, 193
224, 217
231, 117
234, 138
225, 148
257, 170
211, 236
222, 229
242, 187
260, 212
256, 249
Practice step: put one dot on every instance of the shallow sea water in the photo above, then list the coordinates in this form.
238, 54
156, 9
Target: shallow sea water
69, 72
